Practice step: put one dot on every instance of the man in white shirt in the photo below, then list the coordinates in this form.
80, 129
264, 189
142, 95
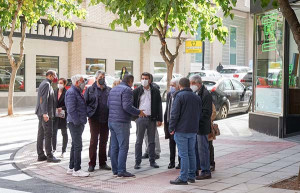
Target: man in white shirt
147, 98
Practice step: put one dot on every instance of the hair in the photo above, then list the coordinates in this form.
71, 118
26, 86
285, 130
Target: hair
116, 83
64, 80
50, 72
175, 80
75, 78
99, 72
125, 69
184, 82
147, 74
196, 78
128, 78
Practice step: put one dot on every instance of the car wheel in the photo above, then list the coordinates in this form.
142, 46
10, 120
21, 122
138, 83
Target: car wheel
223, 112
164, 97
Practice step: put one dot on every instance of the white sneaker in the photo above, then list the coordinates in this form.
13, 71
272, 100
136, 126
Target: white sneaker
62, 155
70, 171
80, 173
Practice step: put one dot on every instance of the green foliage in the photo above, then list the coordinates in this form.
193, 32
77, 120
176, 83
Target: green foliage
57, 11
184, 15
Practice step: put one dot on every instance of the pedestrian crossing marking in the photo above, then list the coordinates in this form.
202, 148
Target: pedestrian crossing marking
16, 178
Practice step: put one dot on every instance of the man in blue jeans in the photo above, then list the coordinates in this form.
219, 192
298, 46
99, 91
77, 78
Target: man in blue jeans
121, 109
184, 122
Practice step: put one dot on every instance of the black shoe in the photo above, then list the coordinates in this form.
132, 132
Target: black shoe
126, 175
137, 166
105, 167
178, 181
197, 173
145, 156
178, 166
91, 169
157, 156
171, 165
191, 180
42, 158
212, 168
154, 165
53, 159
203, 177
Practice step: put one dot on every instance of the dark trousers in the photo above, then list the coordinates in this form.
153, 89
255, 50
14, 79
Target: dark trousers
64, 134
143, 124
75, 154
44, 132
98, 131
172, 147
212, 153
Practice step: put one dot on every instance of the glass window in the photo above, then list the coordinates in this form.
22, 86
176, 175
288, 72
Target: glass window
269, 60
93, 65
119, 64
160, 67
233, 45
237, 85
43, 64
227, 85
5, 73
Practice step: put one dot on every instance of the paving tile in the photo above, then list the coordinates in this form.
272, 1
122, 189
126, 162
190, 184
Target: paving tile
201, 191
263, 180
246, 187
267, 190
266, 160
251, 165
267, 169
252, 174
216, 186
235, 180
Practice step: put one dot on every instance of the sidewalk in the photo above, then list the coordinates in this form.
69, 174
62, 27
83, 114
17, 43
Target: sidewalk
246, 161
18, 111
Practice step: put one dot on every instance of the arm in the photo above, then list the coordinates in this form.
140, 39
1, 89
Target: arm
71, 106
175, 114
127, 103
206, 107
160, 111
86, 95
167, 106
44, 90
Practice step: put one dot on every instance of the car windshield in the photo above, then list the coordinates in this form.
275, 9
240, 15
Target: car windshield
209, 84
228, 71
157, 78
202, 74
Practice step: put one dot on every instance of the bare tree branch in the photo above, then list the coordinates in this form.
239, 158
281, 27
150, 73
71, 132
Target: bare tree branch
13, 26
178, 43
160, 27
161, 38
22, 44
2, 43
166, 19
170, 55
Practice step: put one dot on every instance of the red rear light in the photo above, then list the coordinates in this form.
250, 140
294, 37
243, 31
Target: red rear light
236, 76
135, 86
243, 80
213, 89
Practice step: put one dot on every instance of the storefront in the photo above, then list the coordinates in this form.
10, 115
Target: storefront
276, 75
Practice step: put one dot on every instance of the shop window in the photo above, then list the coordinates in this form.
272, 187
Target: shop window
119, 64
160, 67
93, 65
269, 62
43, 64
233, 45
5, 74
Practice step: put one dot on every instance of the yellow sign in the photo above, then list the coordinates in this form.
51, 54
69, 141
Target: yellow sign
193, 46
275, 65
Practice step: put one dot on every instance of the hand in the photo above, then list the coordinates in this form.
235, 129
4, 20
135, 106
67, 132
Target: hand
46, 117
142, 114
159, 123
172, 133
59, 110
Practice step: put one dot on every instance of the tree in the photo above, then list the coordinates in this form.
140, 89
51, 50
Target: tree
12, 12
164, 16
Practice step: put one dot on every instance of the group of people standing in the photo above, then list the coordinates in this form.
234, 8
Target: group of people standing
187, 123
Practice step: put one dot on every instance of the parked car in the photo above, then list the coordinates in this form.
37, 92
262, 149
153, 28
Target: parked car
206, 73
247, 79
237, 72
229, 96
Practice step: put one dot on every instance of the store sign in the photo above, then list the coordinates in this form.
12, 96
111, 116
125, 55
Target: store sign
43, 30
269, 23
193, 46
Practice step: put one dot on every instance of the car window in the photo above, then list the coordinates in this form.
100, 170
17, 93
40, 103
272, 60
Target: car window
227, 85
237, 85
157, 78
209, 84
202, 74
228, 71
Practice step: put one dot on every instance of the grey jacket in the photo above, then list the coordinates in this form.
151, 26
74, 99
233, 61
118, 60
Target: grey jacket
45, 99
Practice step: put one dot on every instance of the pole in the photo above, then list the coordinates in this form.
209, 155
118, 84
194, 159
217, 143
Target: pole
203, 52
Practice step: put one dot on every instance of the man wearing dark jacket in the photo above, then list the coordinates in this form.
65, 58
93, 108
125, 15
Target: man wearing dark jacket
204, 126
184, 122
147, 98
45, 110
96, 99
121, 109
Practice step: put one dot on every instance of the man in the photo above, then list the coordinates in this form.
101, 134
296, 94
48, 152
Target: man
76, 119
219, 67
204, 126
45, 110
97, 111
174, 87
184, 122
120, 104
147, 98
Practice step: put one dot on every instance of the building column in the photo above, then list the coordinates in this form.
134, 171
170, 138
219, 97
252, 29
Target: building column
75, 53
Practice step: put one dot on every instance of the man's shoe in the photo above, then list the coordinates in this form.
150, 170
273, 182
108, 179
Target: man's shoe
154, 165
171, 165
105, 167
137, 166
178, 181
115, 174
145, 156
157, 156
91, 168
191, 180
178, 166
80, 173
53, 159
203, 177
197, 173
70, 171
62, 155
42, 158
126, 175
212, 168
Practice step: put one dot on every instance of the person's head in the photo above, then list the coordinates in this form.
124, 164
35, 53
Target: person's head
116, 83
61, 83
220, 64
184, 83
78, 81
100, 77
174, 84
145, 79
51, 75
196, 82
124, 69
128, 79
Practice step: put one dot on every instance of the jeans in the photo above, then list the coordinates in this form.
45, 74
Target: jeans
75, 154
186, 144
64, 133
172, 147
99, 133
204, 154
44, 132
120, 133
157, 143
143, 124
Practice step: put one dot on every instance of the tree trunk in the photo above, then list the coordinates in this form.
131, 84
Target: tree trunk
11, 90
170, 67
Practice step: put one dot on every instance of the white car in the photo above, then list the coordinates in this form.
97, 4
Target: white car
237, 72
206, 73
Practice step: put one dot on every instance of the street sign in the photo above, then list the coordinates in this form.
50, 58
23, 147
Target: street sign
193, 46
